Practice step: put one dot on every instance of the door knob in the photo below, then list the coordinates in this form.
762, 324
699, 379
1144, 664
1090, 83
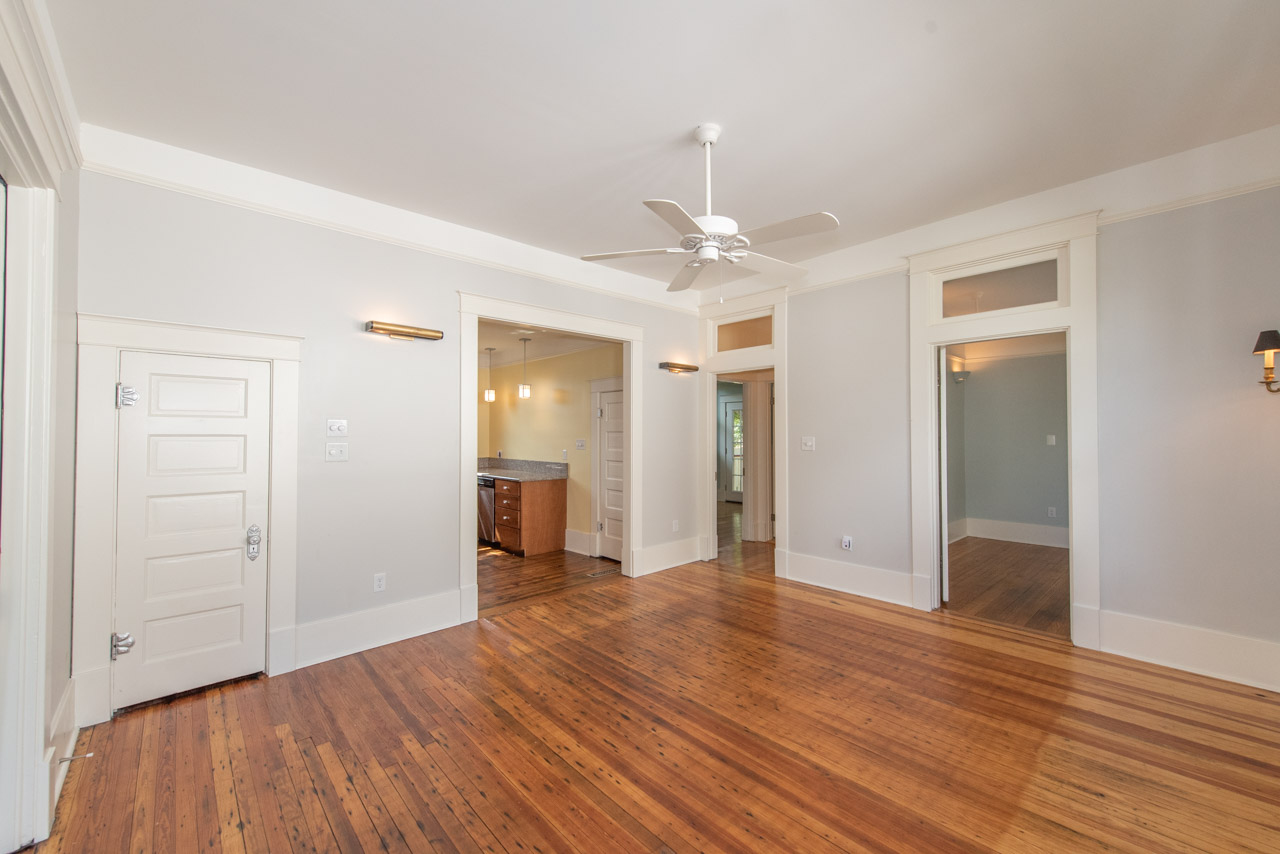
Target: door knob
253, 537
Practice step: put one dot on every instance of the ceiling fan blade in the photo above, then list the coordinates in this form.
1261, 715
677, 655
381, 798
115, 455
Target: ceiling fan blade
684, 278
798, 227
675, 216
771, 266
634, 253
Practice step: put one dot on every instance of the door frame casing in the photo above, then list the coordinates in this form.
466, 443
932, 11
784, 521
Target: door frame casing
1074, 242
101, 340
599, 387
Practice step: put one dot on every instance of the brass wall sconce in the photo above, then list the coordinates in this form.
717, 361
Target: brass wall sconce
1268, 344
678, 367
403, 333
960, 376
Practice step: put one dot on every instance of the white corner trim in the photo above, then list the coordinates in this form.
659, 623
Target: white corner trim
1250, 661
334, 637
145, 161
1016, 532
282, 649
883, 584
38, 119
957, 530
579, 542
665, 556
469, 606
63, 733
93, 695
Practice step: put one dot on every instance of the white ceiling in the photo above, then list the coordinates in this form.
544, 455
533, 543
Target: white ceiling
543, 343
550, 122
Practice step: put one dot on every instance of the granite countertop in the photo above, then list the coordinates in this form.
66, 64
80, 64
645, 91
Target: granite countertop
511, 474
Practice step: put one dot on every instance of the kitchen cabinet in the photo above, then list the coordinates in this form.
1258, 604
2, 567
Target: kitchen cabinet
530, 515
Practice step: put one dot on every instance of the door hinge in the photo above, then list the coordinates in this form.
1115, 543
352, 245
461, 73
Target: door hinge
599, 526
773, 517
126, 395
600, 413
120, 644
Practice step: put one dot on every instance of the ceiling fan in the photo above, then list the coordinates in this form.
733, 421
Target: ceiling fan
716, 238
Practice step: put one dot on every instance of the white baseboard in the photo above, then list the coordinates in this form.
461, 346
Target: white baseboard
93, 696
957, 530
1250, 661
324, 640
469, 608
579, 542
781, 563
282, 650
1086, 627
869, 581
1018, 532
665, 556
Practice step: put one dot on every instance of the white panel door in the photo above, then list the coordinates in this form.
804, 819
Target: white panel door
192, 477
611, 487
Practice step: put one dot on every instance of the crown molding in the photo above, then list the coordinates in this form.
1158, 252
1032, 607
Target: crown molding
37, 115
146, 161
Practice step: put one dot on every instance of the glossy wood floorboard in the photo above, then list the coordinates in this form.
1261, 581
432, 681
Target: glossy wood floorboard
508, 581
711, 707
1016, 584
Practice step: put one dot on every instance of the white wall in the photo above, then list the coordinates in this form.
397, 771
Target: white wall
1189, 442
847, 387
157, 254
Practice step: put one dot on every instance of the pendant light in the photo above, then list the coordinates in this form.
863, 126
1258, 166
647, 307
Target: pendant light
524, 372
490, 395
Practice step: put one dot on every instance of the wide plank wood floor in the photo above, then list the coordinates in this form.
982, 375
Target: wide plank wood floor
509, 581
1015, 584
711, 707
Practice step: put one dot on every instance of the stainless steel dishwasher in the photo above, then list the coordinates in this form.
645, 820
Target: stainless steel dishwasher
487, 532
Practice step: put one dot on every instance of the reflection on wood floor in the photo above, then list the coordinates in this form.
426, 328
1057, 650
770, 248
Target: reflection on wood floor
711, 707
1014, 584
509, 581
732, 551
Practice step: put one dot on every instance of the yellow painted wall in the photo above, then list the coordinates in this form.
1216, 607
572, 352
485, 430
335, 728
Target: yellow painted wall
557, 414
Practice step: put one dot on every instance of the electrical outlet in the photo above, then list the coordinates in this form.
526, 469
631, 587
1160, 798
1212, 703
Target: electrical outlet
846, 543
337, 427
564, 454
675, 526
1053, 512
579, 444
335, 452
379, 582
808, 443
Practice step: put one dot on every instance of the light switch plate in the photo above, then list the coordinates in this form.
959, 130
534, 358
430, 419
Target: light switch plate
579, 444
335, 452
337, 426
1051, 439
808, 443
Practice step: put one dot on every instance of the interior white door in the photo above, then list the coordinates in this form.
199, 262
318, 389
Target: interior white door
192, 478
611, 486
732, 451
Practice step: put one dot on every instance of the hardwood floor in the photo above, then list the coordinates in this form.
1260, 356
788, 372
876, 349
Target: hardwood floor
711, 707
1016, 584
509, 581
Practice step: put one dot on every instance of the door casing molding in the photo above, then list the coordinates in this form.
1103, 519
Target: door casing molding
1073, 242
101, 339
598, 387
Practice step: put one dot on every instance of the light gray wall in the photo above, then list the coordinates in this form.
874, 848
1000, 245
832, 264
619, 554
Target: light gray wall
956, 508
1011, 473
156, 254
847, 387
1189, 442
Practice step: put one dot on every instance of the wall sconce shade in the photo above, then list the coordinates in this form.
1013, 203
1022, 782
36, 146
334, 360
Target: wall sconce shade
1268, 344
678, 367
960, 376
404, 333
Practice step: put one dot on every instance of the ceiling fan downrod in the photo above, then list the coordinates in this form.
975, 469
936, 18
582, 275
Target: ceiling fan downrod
707, 135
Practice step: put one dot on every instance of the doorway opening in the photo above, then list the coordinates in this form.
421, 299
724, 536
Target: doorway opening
745, 474
550, 462
1004, 470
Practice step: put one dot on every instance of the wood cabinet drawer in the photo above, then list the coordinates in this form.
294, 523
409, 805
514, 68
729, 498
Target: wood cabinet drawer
506, 502
509, 538
510, 518
506, 487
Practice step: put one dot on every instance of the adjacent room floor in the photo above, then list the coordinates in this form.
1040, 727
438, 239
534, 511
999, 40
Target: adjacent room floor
507, 581
710, 707
1014, 584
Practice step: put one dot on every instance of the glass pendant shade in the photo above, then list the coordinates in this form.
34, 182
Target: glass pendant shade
523, 389
525, 394
490, 395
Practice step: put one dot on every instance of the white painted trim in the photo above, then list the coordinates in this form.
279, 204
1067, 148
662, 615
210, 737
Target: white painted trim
25, 512
957, 530
471, 308
101, 341
666, 556
755, 358
334, 637
1016, 532
145, 161
872, 582
38, 119
61, 742
580, 542
1250, 661
606, 384
1075, 313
